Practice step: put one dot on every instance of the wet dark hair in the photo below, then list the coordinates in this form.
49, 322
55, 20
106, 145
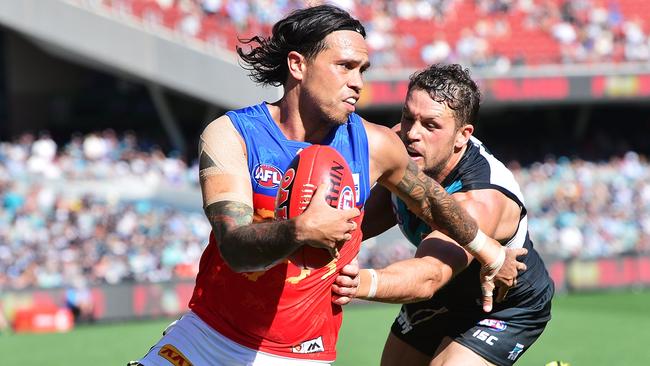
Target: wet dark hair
303, 31
453, 85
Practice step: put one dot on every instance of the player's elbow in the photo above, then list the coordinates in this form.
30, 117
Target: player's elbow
429, 284
424, 292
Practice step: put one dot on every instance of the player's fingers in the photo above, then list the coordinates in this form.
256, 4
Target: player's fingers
341, 300
334, 252
343, 290
338, 290
502, 292
487, 299
521, 266
352, 225
351, 213
350, 270
321, 192
521, 251
345, 281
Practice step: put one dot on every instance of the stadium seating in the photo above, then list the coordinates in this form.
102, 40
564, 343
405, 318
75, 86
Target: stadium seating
74, 213
515, 32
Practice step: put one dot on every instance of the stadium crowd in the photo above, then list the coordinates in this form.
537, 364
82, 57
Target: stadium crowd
412, 33
52, 235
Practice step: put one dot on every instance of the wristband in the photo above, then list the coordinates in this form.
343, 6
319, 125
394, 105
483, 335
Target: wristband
476, 245
373, 284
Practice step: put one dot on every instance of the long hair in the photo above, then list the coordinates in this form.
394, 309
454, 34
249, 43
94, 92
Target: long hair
453, 85
303, 31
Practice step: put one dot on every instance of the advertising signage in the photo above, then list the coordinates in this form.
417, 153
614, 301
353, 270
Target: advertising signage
533, 90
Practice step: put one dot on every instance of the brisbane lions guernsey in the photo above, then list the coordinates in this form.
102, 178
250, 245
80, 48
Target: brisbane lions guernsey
286, 310
479, 169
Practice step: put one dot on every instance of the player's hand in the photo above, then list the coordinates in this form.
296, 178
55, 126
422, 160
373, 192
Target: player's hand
345, 286
322, 226
503, 277
506, 277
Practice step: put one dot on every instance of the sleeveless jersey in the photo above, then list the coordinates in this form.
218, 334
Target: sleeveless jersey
479, 169
286, 310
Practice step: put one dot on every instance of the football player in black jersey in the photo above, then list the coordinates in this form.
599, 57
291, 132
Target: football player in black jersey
442, 322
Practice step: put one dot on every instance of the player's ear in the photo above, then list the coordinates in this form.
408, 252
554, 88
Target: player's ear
463, 135
296, 64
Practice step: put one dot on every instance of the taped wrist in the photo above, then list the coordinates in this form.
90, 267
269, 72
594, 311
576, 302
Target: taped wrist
475, 246
495, 266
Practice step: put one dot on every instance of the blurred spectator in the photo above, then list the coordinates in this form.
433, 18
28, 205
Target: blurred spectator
438, 51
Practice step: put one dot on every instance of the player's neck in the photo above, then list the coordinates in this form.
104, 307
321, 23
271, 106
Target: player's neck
451, 164
294, 124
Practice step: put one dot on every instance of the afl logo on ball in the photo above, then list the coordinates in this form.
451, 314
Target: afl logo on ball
346, 199
267, 175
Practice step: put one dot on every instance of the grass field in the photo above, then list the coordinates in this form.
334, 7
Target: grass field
589, 329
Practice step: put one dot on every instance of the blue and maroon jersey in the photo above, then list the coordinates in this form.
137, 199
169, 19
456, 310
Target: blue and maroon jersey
287, 309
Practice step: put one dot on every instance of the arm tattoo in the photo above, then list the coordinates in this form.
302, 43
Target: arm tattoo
431, 202
246, 246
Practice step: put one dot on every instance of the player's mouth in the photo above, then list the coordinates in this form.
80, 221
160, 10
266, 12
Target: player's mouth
351, 102
414, 154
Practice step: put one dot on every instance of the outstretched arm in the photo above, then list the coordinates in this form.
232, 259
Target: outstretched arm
227, 202
438, 257
436, 261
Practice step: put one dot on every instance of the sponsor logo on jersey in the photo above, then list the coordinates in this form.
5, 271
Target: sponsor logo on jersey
173, 355
485, 337
497, 325
346, 199
355, 178
310, 346
267, 175
512, 355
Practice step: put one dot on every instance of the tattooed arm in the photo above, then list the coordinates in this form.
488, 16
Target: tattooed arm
228, 205
425, 197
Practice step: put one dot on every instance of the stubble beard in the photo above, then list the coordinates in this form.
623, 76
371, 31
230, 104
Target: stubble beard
436, 170
334, 120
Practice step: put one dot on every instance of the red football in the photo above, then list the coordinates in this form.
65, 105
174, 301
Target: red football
313, 166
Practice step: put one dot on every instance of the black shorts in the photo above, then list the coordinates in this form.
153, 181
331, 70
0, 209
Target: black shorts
500, 337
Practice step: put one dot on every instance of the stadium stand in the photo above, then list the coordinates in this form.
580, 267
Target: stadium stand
66, 219
52, 237
412, 33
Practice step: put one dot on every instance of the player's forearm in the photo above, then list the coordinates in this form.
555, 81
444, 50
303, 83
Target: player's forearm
407, 281
247, 247
429, 200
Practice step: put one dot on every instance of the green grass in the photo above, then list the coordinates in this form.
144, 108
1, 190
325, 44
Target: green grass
589, 329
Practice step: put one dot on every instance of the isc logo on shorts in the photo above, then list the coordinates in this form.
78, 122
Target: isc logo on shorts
485, 337
267, 175
173, 355
310, 346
